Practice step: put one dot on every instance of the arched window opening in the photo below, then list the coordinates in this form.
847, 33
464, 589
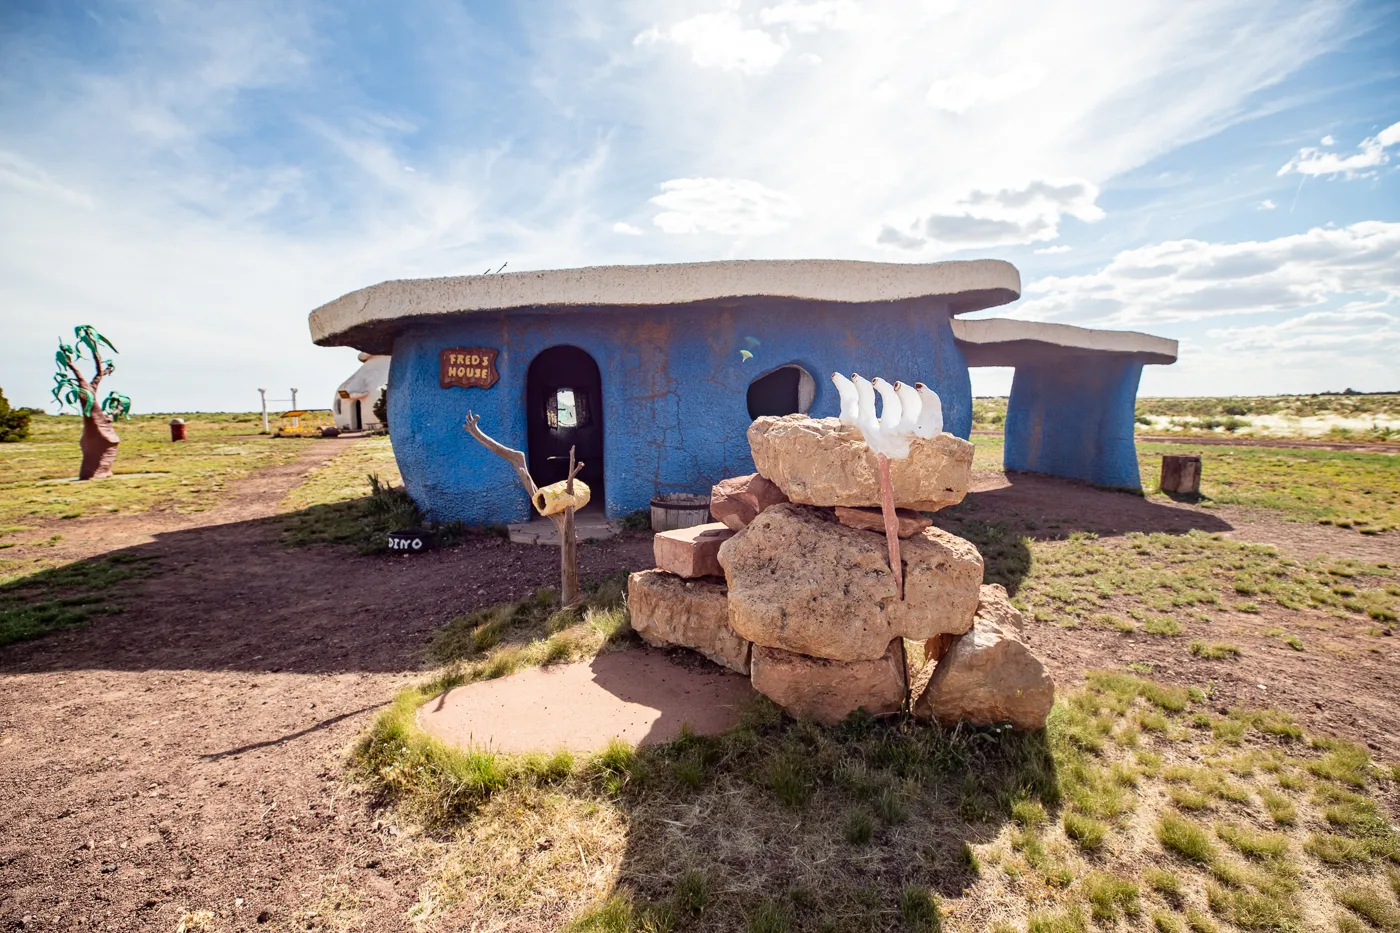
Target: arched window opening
787, 390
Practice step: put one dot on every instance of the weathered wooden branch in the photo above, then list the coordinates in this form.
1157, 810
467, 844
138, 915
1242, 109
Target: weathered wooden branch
514, 457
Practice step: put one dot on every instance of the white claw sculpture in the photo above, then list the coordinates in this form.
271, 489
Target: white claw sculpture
850, 402
912, 407
930, 420
906, 412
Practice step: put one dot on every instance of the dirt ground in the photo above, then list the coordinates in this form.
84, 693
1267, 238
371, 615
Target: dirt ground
186, 755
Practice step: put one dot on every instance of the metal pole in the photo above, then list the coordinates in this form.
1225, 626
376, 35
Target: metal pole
294, 400
263, 393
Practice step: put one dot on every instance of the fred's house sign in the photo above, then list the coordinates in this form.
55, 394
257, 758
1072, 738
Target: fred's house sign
468, 367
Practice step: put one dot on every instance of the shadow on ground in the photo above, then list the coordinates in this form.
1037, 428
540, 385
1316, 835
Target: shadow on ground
230, 597
1004, 512
775, 825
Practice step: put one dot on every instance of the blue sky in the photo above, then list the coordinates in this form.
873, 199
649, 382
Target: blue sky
194, 178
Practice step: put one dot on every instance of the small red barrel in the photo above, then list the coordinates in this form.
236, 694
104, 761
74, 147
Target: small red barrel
177, 429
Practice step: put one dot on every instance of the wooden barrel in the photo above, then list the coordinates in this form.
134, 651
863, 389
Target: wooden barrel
679, 510
1181, 475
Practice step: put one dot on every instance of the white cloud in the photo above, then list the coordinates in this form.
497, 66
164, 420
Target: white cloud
812, 15
730, 206
720, 40
1370, 154
1185, 280
628, 229
1329, 140
1354, 345
1267, 205
1053, 250
1025, 214
250, 160
20, 174
960, 92
1362, 328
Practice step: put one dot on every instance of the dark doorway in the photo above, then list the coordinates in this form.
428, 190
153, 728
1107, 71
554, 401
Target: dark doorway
787, 390
564, 407
359, 418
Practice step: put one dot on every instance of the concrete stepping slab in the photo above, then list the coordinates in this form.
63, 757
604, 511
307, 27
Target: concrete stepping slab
639, 696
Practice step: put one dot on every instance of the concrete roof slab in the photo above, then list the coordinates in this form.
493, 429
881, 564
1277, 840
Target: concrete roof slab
370, 317
1007, 342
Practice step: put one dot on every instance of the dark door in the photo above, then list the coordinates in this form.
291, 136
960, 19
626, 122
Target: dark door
564, 399
359, 420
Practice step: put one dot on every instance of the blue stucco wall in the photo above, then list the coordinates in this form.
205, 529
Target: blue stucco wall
1072, 416
674, 391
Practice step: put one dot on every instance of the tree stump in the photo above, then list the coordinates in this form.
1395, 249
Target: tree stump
1181, 475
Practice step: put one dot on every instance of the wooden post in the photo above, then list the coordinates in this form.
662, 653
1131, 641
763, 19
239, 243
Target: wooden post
563, 523
891, 523
568, 546
1181, 475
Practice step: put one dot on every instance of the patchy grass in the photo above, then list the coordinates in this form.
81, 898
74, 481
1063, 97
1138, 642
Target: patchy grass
1214, 652
893, 824
502, 639
67, 596
189, 476
1162, 584
1331, 487
1165, 585
352, 499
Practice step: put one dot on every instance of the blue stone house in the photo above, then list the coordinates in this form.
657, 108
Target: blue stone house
654, 373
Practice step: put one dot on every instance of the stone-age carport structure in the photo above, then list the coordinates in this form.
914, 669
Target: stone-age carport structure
654, 373
1073, 397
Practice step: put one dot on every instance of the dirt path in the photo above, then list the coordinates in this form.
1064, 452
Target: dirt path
1286, 443
186, 755
251, 497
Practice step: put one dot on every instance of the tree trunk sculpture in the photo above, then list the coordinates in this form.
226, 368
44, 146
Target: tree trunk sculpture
99, 439
563, 521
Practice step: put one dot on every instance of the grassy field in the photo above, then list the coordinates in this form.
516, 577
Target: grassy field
1142, 804
336, 503
34, 604
1354, 419
1161, 584
1342, 488
1347, 489
151, 471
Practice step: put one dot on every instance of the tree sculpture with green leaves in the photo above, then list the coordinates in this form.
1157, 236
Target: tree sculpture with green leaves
99, 441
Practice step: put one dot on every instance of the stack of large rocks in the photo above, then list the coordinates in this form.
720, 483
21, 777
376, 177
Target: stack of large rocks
792, 585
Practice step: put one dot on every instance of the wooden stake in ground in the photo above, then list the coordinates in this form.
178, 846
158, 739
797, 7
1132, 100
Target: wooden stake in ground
563, 522
891, 522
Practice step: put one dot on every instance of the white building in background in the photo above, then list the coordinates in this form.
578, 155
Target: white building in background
354, 400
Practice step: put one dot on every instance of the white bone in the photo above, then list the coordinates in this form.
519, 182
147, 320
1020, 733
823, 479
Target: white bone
850, 402
911, 406
930, 423
891, 411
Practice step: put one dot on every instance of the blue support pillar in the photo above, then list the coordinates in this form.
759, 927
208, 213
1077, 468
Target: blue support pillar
1072, 415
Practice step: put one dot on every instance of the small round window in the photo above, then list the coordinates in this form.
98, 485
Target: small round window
787, 390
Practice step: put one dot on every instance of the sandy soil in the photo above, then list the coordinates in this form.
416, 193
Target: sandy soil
187, 754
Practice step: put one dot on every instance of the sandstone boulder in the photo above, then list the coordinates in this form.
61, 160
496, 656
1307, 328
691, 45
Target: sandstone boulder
738, 500
667, 610
801, 582
691, 552
910, 522
820, 461
829, 691
989, 676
